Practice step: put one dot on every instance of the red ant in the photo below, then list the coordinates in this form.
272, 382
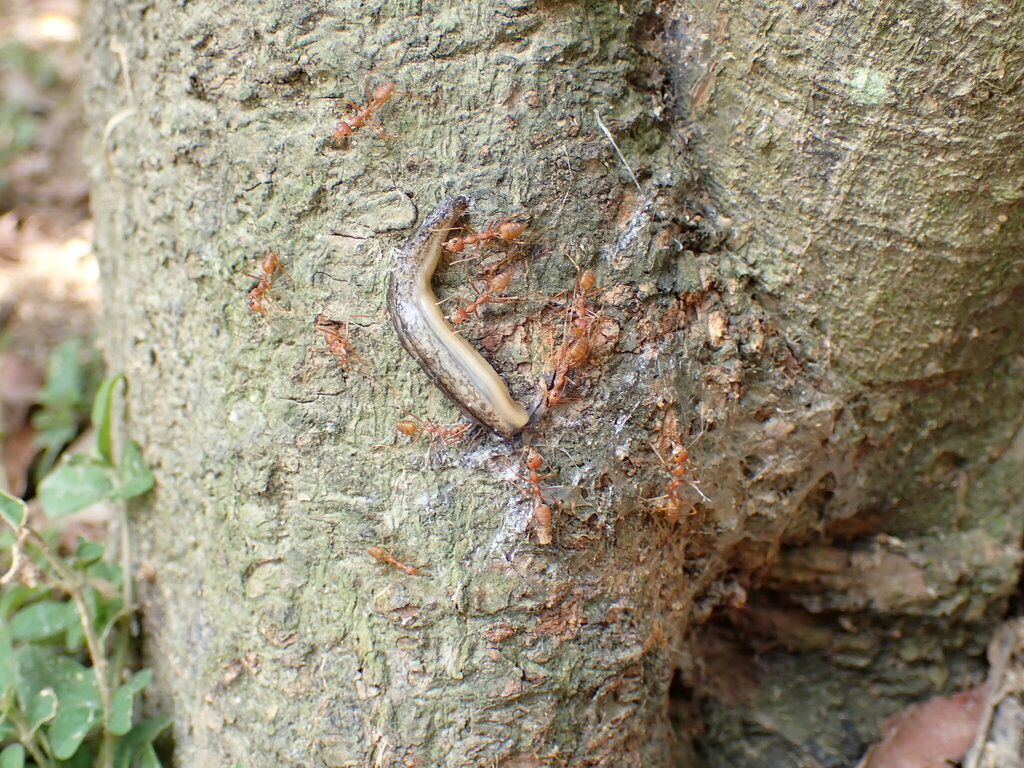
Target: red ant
575, 351
339, 343
337, 339
415, 427
381, 555
270, 265
541, 510
542, 518
504, 230
673, 501
497, 283
364, 115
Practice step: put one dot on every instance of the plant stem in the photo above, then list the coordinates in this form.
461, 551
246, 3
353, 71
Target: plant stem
17, 559
40, 759
127, 596
71, 582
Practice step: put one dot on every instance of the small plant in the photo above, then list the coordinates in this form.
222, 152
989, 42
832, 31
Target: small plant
66, 693
71, 380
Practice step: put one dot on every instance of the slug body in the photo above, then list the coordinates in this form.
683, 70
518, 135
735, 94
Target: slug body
447, 358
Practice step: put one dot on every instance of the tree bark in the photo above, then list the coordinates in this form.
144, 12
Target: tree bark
806, 240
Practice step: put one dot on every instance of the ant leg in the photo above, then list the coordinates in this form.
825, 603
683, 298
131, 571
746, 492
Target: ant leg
380, 129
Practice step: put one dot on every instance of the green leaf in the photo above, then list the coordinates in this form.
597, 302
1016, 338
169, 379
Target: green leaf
42, 620
148, 759
88, 552
76, 704
39, 708
70, 727
6, 663
121, 706
65, 375
103, 611
101, 418
133, 476
52, 441
13, 510
13, 757
132, 743
74, 640
104, 570
17, 595
77, 482
64, 401
85, 757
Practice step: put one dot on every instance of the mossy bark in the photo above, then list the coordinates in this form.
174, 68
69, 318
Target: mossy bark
811, 282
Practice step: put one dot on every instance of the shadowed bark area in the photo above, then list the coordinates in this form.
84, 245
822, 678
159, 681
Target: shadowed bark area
808, 284
868, 162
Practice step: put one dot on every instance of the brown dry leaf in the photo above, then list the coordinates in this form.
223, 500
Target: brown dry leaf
931, 734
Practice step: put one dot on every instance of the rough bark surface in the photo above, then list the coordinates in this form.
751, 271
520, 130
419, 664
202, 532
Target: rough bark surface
814, 269
868, 160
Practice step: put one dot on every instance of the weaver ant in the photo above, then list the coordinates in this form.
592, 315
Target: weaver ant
381, 555
542, 519
364, 115
575, 349
415, 427
337, 339
672, 501
541, 509
270, 265
497, 283
503, 230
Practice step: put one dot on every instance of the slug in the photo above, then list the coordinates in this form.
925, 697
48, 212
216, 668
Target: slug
447, 358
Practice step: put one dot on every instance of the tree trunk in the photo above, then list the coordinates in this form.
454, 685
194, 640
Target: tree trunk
806, 240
